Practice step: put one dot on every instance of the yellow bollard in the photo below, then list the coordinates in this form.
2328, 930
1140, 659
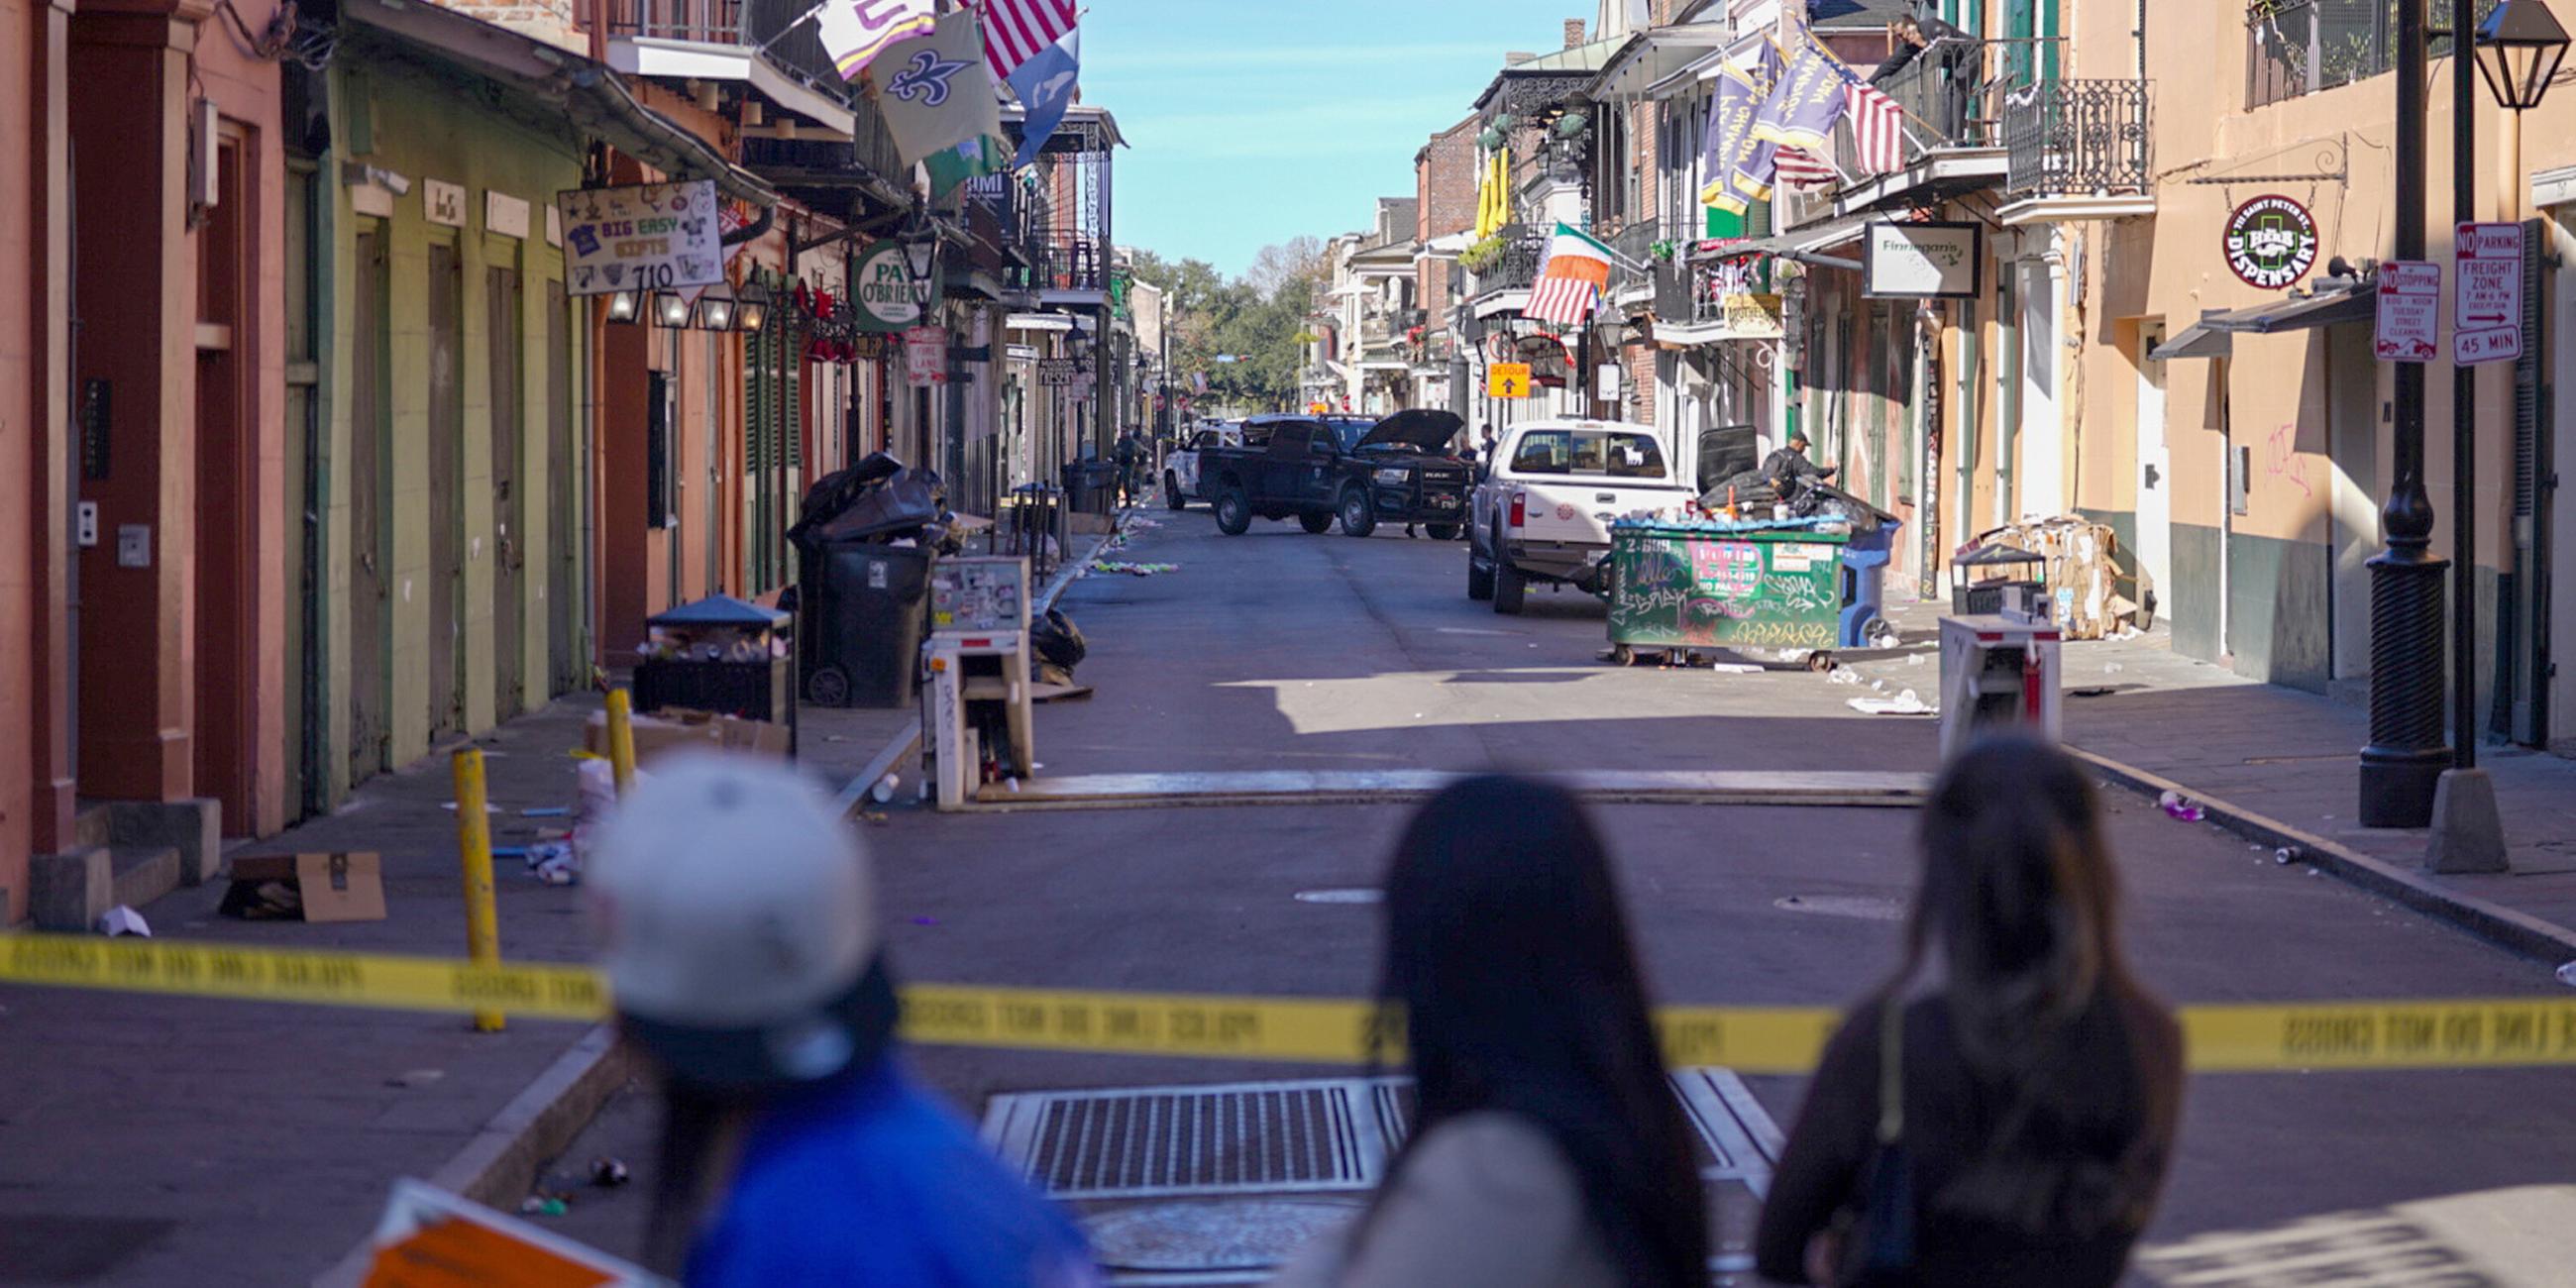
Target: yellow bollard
621, 738
474, 847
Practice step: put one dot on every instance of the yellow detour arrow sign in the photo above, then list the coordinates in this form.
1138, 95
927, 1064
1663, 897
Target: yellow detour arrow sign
2224, 1038
1507, 380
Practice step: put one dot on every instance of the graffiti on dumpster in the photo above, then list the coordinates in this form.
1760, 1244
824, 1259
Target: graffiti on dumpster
1696, 592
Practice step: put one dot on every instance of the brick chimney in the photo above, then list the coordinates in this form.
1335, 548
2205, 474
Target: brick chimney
1573, 32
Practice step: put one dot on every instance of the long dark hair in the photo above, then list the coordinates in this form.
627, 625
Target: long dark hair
2020, 905
1508, 954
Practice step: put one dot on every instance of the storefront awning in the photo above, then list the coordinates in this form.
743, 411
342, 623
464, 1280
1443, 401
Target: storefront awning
2214, 336
1802, 244
2199, 340
1654, 56
2340, 306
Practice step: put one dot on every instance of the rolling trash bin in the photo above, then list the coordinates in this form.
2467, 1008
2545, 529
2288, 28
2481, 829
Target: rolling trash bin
864, 548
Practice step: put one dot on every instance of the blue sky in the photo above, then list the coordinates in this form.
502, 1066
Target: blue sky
1252, 121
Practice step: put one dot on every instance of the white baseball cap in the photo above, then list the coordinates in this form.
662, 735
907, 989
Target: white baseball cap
739, 924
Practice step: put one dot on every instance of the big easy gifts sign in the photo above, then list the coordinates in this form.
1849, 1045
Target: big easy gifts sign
2486, 296
642, 237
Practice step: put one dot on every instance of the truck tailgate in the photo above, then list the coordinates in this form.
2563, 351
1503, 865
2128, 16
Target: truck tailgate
1579, 511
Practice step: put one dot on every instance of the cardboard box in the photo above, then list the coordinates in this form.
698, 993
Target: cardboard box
674, 727
328, 887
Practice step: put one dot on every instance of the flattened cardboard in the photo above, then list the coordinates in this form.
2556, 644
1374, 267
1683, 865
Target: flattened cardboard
331, 887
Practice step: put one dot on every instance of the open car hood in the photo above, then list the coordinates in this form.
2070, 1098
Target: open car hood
1423, 429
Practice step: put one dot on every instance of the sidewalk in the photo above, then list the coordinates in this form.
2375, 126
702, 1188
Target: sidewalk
2282, 767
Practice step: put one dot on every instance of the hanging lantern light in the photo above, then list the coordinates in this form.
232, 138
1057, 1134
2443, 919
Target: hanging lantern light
751, 307
2520, 46
625, 306
670, 309
715, 310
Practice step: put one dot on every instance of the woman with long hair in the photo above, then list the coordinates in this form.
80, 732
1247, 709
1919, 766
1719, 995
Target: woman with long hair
2001, 1111
1546, 1146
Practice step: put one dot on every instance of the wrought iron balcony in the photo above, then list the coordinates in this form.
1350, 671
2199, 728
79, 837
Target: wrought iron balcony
776, 27
1524, 247
1633, 266
2078, 138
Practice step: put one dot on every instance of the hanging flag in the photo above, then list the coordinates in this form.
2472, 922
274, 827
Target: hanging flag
934, 91
1800, 168
1044, 85
1878, 129
854, 32
987, 154
1570, 281
1016, 31
1808, 98
1736, 163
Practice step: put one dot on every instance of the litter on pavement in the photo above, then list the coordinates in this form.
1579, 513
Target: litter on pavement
121, 920
1133, 569
1907, 703
2180, 806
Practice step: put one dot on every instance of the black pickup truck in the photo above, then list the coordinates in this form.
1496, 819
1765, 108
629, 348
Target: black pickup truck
1317, 469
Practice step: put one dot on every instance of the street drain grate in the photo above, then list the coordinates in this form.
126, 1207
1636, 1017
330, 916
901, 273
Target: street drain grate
1331, 1135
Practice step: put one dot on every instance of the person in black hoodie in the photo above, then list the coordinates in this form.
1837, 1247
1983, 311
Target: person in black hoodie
2001, 1112
1953, 51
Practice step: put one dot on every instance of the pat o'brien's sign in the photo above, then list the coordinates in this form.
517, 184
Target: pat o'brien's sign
887, 295
643, 237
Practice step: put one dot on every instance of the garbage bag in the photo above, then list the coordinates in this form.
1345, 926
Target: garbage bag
1057, 641
877, 498
1746, 489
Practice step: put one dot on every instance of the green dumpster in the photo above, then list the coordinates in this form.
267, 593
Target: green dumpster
1706, 584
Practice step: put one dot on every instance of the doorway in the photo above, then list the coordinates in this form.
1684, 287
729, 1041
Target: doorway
504, 336
2352, 418
369, 561
563, 591
2155, 471
446, 493
226, 585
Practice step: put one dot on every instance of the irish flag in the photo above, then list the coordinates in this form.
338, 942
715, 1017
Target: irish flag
1570, 280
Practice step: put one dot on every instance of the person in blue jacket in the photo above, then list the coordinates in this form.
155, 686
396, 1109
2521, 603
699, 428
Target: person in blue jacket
742, 944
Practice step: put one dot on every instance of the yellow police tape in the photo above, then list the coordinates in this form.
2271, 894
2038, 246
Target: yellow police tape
2488, 1033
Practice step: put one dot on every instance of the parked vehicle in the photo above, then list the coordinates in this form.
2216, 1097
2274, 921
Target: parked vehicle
1542, 511
1181, 467
1321, 469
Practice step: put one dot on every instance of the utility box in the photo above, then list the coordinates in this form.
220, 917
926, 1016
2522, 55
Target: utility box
1998, 674
976, 728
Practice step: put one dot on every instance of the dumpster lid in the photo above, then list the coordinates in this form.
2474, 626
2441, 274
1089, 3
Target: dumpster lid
722, 610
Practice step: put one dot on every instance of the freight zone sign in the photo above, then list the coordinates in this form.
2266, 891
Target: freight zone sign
2486, 297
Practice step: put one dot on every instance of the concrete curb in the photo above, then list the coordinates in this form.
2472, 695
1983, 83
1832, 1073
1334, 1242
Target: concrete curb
500, 1164
2515, 932
853, 796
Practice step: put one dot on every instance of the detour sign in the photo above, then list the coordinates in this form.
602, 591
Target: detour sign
1507, 380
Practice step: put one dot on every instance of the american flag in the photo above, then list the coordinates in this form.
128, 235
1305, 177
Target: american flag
1015, 30
1570, 282
1878, 130
1800, 168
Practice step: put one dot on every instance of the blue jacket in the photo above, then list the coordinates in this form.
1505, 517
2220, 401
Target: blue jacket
871, 1180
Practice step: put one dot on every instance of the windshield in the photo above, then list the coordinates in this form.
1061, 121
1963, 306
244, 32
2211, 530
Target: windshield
1609, 453
1348, 432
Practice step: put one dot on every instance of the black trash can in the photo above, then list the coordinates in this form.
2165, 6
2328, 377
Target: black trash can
717, 655
863, 608
1091, 486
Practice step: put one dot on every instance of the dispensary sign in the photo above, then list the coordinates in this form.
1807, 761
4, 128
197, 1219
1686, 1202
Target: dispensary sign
2271, 242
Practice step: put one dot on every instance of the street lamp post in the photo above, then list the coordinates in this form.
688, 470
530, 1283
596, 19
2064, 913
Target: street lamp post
2526, 45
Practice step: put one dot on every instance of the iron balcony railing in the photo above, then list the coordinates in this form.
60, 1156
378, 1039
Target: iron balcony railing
1068, 259
2078, 138
1524, 246
778, 28
1633, 266
2299, 47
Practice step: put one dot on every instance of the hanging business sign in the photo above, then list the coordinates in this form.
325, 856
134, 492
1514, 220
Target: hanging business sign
2271, 242
883, 290
649, 237
1749, 317
1932, 260
1064, 373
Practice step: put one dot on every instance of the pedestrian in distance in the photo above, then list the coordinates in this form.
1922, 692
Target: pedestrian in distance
742, 944
1546, 1149
1130, 450
2001, 1111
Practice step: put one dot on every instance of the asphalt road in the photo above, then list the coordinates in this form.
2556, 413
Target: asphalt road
1282, 650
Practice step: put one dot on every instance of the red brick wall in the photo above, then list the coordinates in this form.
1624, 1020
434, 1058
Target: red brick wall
1640, 361
1444, 174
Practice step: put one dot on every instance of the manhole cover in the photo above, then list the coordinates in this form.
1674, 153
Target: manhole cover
1251, 1234
1864, 907
1360, 894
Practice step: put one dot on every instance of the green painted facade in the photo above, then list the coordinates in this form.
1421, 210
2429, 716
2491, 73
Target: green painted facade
413, 118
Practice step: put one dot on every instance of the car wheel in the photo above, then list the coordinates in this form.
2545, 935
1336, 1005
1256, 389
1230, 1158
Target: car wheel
1480, 577
1359, 513
1172, 498
1317, 523
1510, 586
1233, 511
1443, 531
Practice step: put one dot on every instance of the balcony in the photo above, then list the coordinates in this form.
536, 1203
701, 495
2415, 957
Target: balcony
2080, 149
765, 44
1524, 247
1632, 269
1068, 259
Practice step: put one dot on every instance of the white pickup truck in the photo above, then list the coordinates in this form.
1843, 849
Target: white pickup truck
1543, 509
1181, 467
